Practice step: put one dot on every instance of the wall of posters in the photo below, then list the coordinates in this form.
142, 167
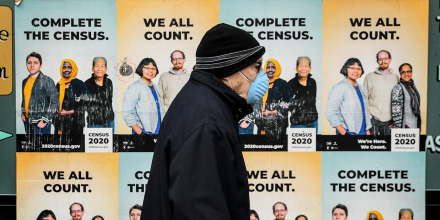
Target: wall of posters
57, 165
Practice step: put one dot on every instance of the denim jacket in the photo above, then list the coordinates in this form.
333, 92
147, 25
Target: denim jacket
344, 107
139, 106
43, 103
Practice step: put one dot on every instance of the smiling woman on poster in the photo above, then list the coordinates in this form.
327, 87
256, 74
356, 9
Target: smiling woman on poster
73, 97
142, 109
277, 103
374, 215
347, 110
405, 100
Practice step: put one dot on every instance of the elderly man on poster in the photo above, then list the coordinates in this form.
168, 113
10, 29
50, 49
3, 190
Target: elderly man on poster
198, 170
100, 110
406, 214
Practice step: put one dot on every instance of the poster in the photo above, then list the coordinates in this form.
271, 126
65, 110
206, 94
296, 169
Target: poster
288, 30
291, 178
55, 181
133, 178
79, 34
361, 29
366, 181
155, 30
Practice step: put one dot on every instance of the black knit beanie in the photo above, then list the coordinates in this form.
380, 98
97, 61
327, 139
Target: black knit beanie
224, 50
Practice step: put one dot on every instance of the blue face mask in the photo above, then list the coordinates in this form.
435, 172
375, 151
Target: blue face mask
258, 87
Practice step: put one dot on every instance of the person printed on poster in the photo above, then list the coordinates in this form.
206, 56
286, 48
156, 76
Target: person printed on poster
98, 217
39, 98
100, 109
277, 103
247, 123
172, 81
254, 215
406, 214
304, 113
347, 110
280, 210
73, 100
76, 211
374, 215
378, 88
142, 108
301, 217
405, 100
47, 215
135, 212
339, 212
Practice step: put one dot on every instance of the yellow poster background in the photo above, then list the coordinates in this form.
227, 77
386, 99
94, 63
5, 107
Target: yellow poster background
411, 47
100, 196
6, 41
304, 166
193, 16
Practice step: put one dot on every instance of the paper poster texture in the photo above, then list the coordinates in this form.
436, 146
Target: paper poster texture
291, 178
361, 29
55, 181
134, 171
366, 181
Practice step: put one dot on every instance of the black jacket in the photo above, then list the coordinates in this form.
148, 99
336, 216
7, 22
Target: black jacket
100, 109
76, 98
304, 111
198, 170
43, 103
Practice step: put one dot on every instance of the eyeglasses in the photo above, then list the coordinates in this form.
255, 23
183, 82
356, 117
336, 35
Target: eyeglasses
354, 68
177, 59
75, 211
406, 72
279, 210
383, 59
148, 68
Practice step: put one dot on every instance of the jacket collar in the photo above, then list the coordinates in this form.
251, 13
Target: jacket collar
39, 74
171, 71
237, 104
